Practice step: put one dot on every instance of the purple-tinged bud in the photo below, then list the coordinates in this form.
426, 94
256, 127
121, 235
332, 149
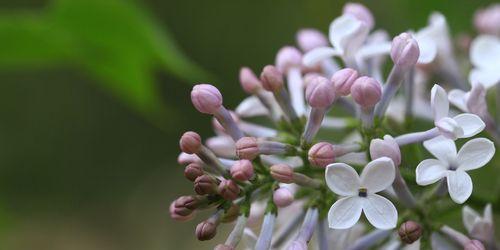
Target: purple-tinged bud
206, 230
342, 81
404, 51
360, 12
320, 92
272, 78
297, 245
206, 98
190, 142
309, 77
388, 147
474, 245
185, 158
366, 91
282, 197
242, 170
282, 173
193, 171
288, 57
247, 148
179, 217
321, 154
180, 205
231, 214
487, 20
205, 184
309, 39
410, 232
249, 81
224, 247
229, 190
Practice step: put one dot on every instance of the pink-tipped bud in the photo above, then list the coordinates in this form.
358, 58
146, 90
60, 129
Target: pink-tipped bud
366, 91
360, 12
174, 215
206, 98
282, 173
206, 230
229, 190
410, 232
487, 20
404, 50
288, 57
321, 154
272, 78
320, 92
223, 247
180, 205
193, 171
184, 158
388, 147
242, 170
247, 148
309, 77
249, 81
474, 245
309, 39
190, 142
282, 197
205, 184
342, 81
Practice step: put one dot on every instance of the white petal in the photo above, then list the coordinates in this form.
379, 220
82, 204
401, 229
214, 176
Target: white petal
347, 33
378, 175
475, 154
449, 128
429, 171
439, 102
458, 98
374, 49
485, 52
345, 212
428, 50
486, 77
488, 213
250, 107
342, 179
471, 124
442, 148
380, 212
469, 217
316, 55
459, 185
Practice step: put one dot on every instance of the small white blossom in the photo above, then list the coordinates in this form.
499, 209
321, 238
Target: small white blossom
434, 39
359, 194
453, 166
473, 101
479, 227
485, 56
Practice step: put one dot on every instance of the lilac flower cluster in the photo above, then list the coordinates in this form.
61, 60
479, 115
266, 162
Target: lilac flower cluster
282, 181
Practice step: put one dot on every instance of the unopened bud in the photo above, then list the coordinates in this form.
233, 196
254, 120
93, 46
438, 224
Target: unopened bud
342, 81
272, 78
190, 142
247, 148
206, 98
309, 39
474, 245
180, 205
366, 91
242, 170
321, 154
174, 215
249, 81
487, 20
193, 171
360, 12
320, 92
282, 197
205, 184
185, 158
282, 173
206, 230
404, 51
410, 232
229, 190
388, 147
288, 57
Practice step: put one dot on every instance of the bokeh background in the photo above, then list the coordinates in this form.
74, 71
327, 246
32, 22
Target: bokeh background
94, 95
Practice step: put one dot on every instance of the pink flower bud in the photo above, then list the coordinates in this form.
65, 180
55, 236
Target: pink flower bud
206, 230
223, 247
282, 197
205, 184
309, 39
249, 81
388, 147
184, 158
206, 98
410, 232
309, 77
229, 190
343, 80
247, 148
190, 142
366, 91
180, 205
178, 217
404, 50
272, 78
193, 171
320, 92
474, 245
242, 170
321, 154
288, 57
487, 20
282, 173
360, 12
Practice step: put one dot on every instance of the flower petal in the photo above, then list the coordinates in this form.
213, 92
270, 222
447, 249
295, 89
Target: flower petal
485, 52
342, 179
488, 213
459, 185
458, 98
486, 77
442, 148
378, 175
439, 102
475, 154
345, 212
429, 171
374, 49
250, 107
318, 54
380, 212
428, 50
471, 124
347, 33
449, 128
469, 217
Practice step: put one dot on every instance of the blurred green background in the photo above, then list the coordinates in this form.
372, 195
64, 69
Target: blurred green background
94, 95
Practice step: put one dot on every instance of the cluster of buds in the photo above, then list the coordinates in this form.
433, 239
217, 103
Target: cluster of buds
338, 140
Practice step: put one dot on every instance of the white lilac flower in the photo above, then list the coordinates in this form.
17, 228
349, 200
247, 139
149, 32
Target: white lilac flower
485, 56
359, 194
473, 101
434, 39
461, 126
451, 165
478, 226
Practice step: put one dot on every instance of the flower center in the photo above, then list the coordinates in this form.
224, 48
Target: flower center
452, 168
362, 192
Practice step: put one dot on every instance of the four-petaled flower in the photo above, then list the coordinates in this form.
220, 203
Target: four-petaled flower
359, 194
452, 165
485, 56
